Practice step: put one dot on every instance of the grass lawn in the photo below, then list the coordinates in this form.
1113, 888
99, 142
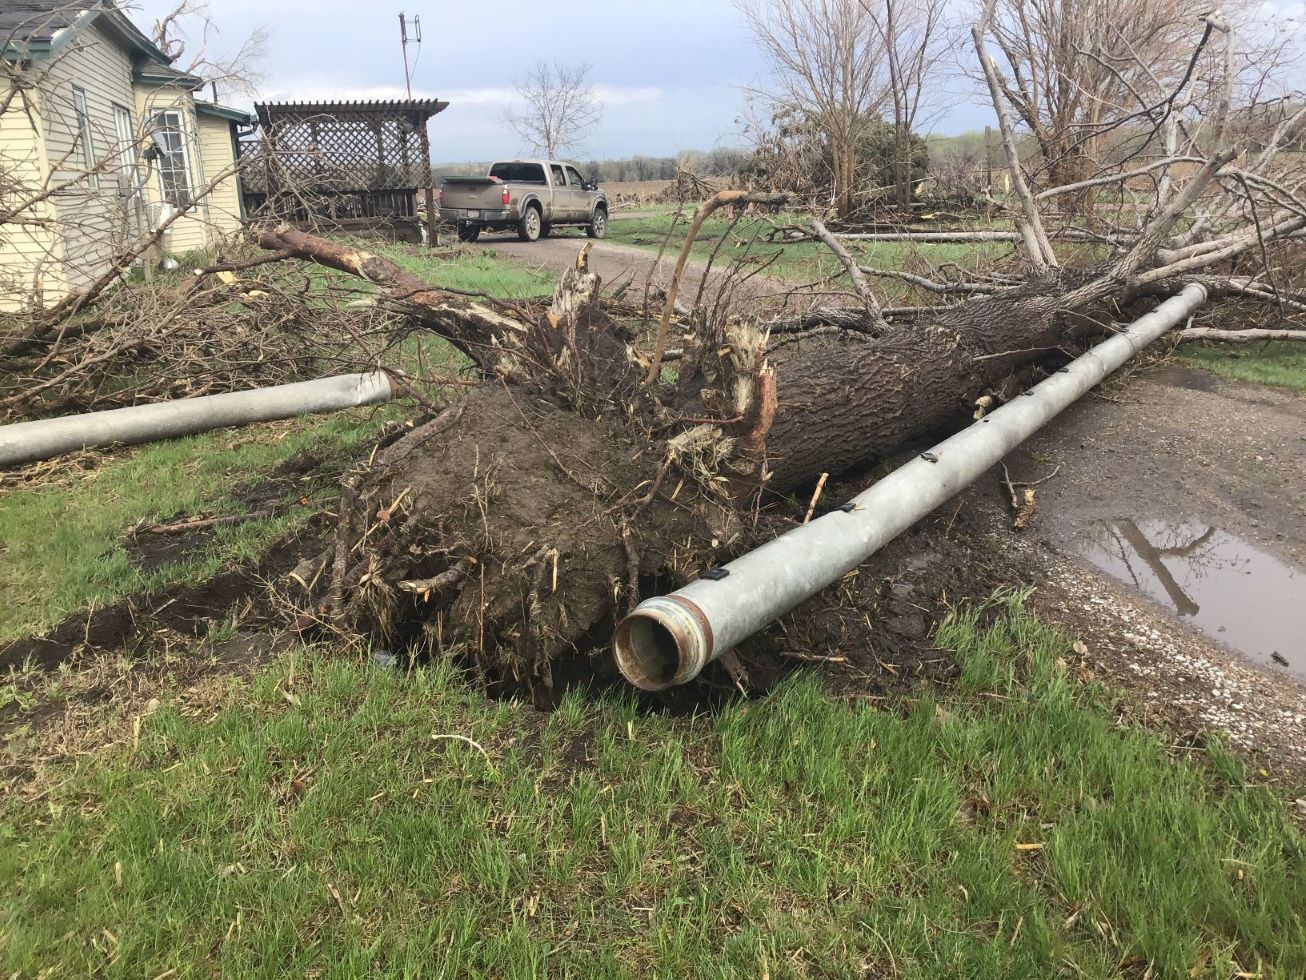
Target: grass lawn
474, 271
1279, 363
331, 818
65, 542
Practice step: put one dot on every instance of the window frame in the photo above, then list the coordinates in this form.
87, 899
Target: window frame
85, 139
159, 125
125, 131
515, 171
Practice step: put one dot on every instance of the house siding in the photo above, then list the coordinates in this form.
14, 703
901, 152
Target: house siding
72, 236
216, 148
94, 219
29, 254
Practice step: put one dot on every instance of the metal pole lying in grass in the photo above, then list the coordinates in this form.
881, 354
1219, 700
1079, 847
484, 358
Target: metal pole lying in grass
668, 640
24, 442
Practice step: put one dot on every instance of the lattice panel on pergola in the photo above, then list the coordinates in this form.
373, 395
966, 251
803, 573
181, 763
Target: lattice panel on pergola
341, 147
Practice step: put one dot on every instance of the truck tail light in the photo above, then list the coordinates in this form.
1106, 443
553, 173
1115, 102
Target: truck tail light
441, 197
507, 198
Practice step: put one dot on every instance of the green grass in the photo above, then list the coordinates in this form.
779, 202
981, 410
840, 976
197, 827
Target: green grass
64, 543
473, 271
1278, 363
336, 819
802, 261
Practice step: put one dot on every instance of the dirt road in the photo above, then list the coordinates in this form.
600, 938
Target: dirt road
1172, 540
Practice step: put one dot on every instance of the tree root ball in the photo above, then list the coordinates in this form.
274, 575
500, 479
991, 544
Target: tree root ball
515, 532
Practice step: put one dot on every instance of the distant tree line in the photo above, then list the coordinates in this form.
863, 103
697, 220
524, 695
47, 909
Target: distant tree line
722, 162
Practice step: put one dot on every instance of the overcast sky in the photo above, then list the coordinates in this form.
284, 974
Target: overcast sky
669, 71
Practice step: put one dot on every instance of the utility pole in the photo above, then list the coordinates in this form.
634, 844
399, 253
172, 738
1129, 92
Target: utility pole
428, 190
403, 41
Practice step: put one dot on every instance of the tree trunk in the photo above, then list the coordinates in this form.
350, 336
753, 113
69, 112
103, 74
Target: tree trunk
848, 399
902, 166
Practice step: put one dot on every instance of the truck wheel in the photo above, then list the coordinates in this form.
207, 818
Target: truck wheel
546, 230
598, 226
469, 233
528, 229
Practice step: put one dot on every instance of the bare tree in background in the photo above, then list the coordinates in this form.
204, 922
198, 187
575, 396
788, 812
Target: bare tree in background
561, 107
826, 59
187, 34
914, 43
1077, 66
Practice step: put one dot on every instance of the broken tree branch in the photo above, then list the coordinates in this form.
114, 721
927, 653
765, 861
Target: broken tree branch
1031, 228
714, 202
482, 330
851, 267
1193, 334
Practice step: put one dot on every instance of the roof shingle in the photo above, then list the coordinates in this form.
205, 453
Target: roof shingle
38, 20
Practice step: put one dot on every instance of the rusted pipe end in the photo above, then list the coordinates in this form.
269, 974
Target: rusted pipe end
666, 641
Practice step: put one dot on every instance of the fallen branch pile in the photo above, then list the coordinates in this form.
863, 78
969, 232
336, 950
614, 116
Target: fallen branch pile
206, 333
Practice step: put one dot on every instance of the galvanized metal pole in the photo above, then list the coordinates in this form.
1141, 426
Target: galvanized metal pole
23, 442
669, 639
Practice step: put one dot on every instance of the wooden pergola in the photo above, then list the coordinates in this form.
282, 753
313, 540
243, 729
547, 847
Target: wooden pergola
352, 165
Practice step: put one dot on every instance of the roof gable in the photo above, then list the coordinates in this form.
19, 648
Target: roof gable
40, 28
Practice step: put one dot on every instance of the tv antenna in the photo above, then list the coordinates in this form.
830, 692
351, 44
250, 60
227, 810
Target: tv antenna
404, 40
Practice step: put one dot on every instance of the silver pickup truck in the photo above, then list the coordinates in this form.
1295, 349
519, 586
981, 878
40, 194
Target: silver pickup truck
530, 196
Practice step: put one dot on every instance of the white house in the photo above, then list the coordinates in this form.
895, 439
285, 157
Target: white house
100, 138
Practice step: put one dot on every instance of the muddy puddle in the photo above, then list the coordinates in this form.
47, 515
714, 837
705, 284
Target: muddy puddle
1248, 600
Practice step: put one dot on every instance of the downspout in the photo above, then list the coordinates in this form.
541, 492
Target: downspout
668, 640
24, 442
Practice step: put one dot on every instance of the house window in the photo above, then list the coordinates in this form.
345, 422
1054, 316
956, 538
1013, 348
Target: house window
85, 138
126, 136
174, 164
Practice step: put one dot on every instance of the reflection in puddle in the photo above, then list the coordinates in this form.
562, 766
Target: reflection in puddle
1245, 598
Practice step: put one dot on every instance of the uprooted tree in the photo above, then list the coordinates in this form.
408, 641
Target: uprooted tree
519, 522
591, 465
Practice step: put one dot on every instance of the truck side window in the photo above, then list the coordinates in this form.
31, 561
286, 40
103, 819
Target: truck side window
574, 178
525, 173
558, 179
